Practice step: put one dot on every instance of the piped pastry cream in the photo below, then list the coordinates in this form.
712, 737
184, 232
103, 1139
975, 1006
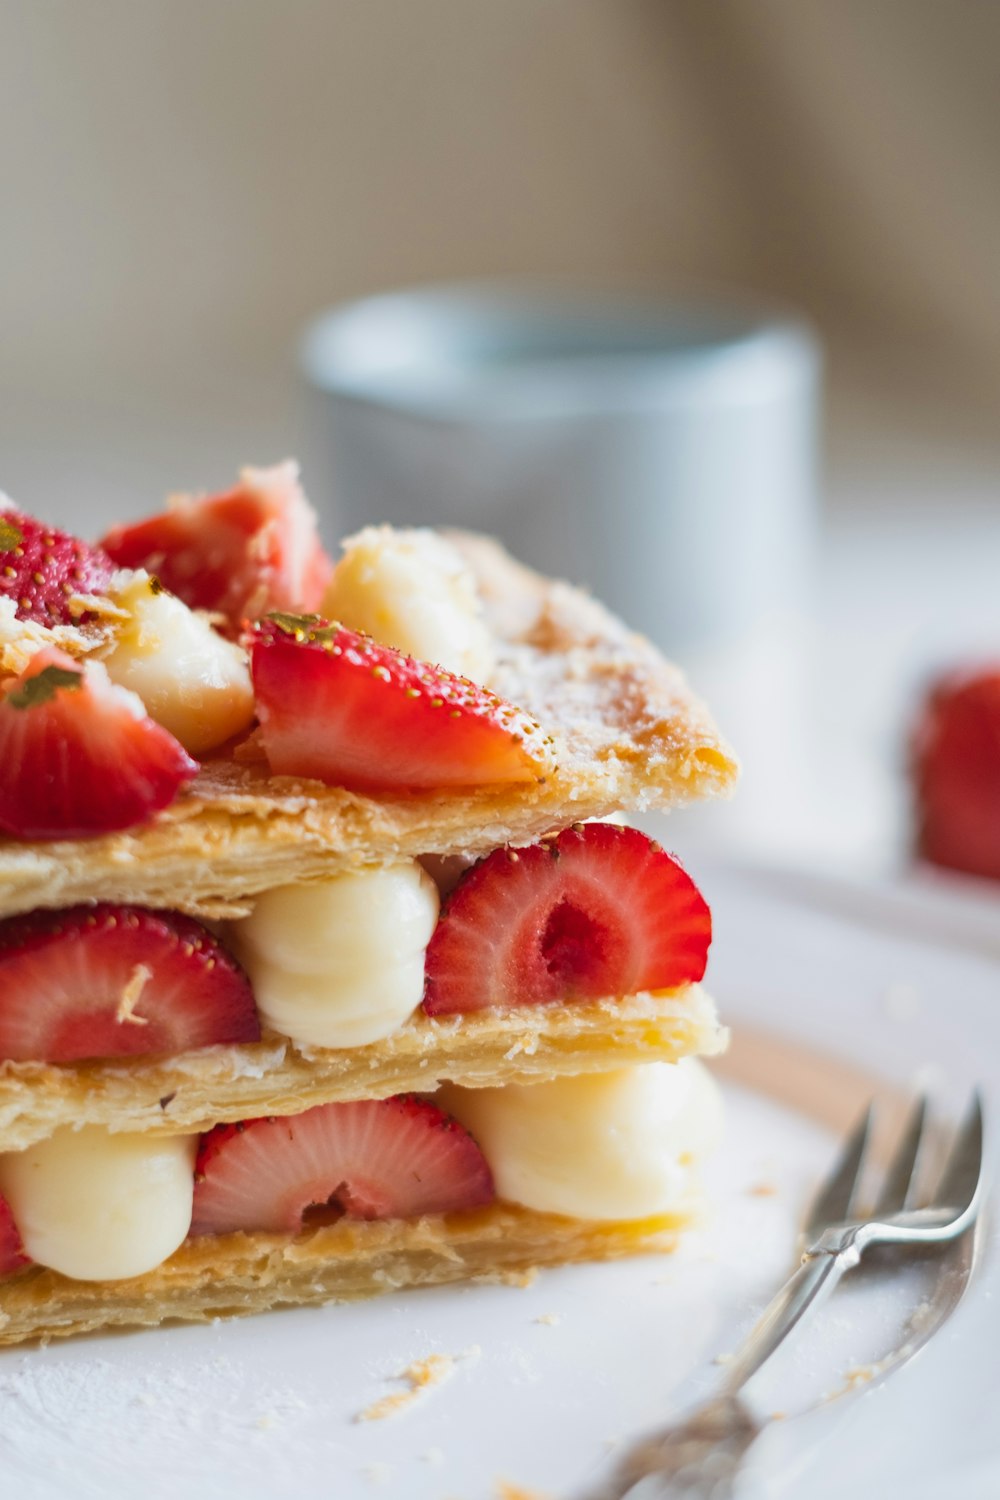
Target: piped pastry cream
615, 1145
190, 678
100, 1207
411, 589
251, 1052
340, 963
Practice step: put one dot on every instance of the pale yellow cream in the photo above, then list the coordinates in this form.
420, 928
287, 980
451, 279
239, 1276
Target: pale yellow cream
341, 962
616, 1145
191, 679
411, 589
97, 1206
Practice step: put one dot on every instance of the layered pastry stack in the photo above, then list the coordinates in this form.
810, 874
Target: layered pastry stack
326, 963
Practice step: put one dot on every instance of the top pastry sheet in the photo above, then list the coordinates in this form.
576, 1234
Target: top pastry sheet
629, 735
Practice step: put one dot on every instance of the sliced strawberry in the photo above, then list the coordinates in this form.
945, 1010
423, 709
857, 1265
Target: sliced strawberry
597, 911
337, 706
12, 1256
117, 981
42, 569
371, 1159
240, 554
956, 772
79, 756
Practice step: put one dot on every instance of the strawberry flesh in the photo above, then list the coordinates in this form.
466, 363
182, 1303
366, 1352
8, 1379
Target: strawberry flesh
41, 569
79, 756
336, 706
598, 911
956, 773
117, 981
393, 1158
12, 1256
239, 554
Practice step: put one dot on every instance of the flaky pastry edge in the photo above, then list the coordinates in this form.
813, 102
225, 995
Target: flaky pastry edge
240, 1274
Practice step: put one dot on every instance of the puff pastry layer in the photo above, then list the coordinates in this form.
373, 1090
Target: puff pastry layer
243, 1273
628, 732
199, 1089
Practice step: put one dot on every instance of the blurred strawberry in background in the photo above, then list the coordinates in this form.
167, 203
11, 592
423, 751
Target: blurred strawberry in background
956, 772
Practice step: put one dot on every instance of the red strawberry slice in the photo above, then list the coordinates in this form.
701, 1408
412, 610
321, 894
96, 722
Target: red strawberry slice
41, 569
371, 1159
12, 1256
252, 549
337, 706
598, 911
117, 981
956, 772
80, 756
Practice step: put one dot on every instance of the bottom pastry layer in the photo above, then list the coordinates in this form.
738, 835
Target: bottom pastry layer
236, 1274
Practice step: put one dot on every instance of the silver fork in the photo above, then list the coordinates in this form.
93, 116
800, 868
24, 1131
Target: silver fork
700, 1457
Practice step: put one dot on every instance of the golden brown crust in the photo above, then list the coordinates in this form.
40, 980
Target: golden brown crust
190, 1093
239, 1273
628, 734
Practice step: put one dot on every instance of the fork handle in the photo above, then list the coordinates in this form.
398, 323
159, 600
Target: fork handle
701, 1456
814, 1280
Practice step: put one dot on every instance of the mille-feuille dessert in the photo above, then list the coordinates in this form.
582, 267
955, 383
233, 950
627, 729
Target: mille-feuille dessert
326, 965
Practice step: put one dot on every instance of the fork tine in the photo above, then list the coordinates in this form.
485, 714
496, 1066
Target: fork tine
835, 1198
897, 1189
963, 1169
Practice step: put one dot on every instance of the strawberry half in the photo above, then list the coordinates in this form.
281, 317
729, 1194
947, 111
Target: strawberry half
371, 1159
80, 756
117, 981
337, 706
41, 569
239, 554
956, 773
12, 1256
597, 911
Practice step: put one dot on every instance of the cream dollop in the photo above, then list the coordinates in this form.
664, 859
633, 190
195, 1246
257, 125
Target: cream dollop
192, 680
340, 963
411, 589
615, 1145
97, 1206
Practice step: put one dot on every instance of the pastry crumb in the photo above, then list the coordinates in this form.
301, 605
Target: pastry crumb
526, 1043
507, 1491
131, 995
522, 1279
551, 1320
419, 1376
723, 1359
762, 1190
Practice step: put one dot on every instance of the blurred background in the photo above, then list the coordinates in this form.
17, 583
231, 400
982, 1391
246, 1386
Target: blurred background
186, 183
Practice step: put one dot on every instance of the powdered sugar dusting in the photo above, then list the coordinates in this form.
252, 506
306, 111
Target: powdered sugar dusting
91, 1416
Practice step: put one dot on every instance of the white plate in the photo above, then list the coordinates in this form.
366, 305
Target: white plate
830, 987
